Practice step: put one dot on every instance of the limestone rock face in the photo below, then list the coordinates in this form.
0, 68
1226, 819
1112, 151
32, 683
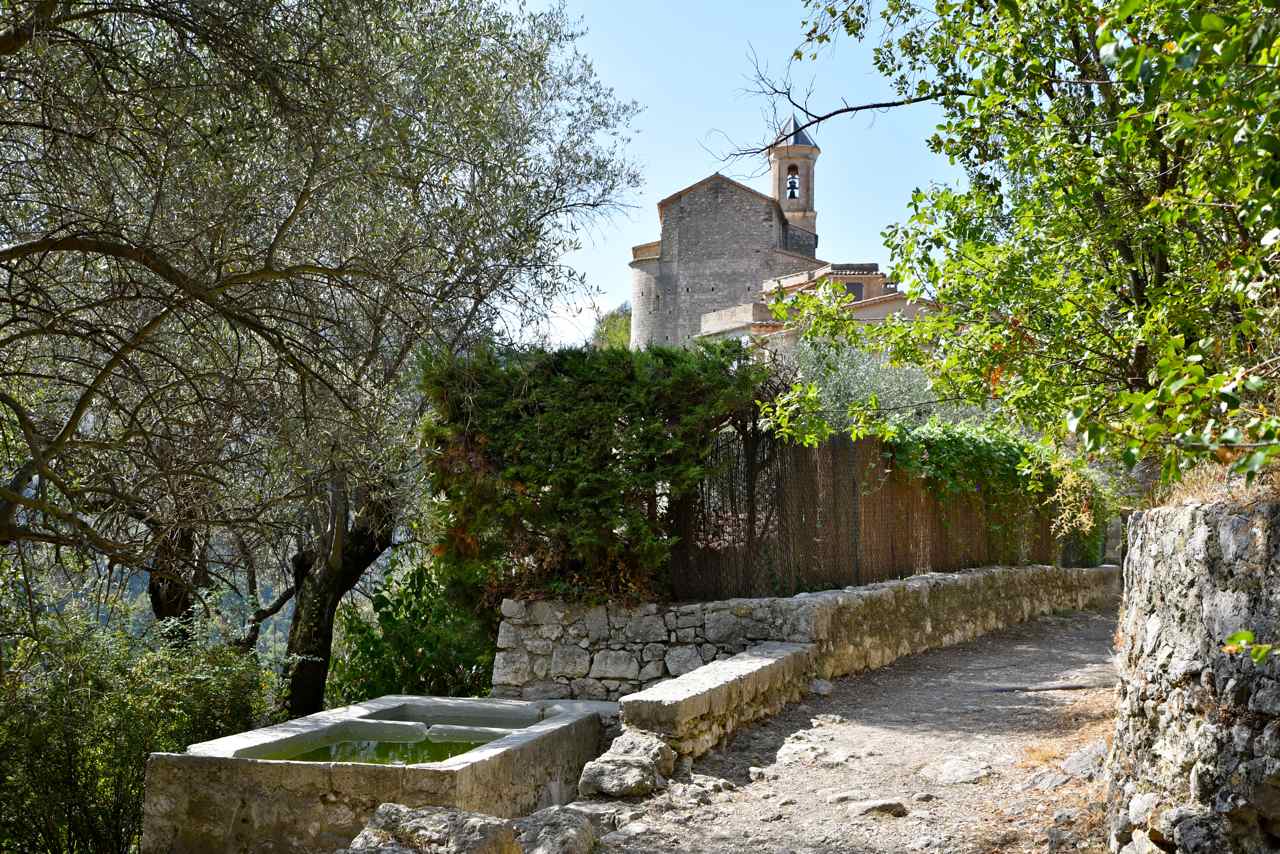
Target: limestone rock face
1194, 767
396, 829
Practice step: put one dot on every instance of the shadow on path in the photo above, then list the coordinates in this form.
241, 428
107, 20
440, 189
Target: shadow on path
872, 737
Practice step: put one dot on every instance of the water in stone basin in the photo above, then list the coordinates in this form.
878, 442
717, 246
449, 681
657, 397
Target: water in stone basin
382, 752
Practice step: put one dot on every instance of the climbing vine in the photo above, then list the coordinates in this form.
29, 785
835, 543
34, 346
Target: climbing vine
556, 471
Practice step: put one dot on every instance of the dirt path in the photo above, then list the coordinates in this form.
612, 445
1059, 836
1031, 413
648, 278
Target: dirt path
975, 767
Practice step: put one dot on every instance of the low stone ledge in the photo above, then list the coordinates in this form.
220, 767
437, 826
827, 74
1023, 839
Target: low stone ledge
695, 711
554, 649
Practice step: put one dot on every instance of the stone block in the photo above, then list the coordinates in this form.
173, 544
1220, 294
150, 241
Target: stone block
537, 646
646, 629
570, 661
589, 689
511, 668
545, 613
653, 652
448, 831
508, 635
652, 670
723, 627
546, 690
596, 623
688, 616
611, 664
513, 609
683, 659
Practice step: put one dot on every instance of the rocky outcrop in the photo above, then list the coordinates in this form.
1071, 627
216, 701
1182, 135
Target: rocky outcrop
556, 830
397, 829
1195, 763
634, 765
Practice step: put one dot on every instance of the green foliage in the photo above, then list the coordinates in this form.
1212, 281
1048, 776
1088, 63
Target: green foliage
853, 382
613, 328
83, 707
962, 458
414, 639
1108, 269
555, 470
1017, 477
1243, 641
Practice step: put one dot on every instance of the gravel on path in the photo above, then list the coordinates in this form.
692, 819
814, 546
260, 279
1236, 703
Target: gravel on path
933, 754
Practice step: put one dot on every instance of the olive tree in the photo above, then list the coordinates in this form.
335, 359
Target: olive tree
226, 229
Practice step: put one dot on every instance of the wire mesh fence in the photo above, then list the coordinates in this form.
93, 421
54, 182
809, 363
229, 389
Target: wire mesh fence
775, 519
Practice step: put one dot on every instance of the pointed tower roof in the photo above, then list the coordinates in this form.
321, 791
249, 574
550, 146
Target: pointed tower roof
793, 135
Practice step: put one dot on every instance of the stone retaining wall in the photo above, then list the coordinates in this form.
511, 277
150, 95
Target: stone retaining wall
554, 650
696, 711
1195, 763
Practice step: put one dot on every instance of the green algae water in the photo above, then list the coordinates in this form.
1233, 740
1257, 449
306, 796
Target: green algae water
384, 752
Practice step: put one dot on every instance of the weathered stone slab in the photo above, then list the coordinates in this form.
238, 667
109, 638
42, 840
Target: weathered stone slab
695, 711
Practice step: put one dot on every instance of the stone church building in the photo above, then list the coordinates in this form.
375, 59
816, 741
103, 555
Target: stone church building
726, 249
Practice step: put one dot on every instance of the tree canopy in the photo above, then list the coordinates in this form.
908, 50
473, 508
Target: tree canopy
225, 232
1107, 269
613, 328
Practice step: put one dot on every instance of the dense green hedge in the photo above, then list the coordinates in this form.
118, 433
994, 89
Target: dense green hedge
554, 470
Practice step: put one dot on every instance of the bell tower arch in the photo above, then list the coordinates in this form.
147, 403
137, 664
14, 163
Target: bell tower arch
791, 162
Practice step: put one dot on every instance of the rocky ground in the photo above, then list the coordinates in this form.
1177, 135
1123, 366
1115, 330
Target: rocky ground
943, 752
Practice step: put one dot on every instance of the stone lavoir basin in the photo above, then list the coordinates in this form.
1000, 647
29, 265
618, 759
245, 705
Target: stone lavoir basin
311, 784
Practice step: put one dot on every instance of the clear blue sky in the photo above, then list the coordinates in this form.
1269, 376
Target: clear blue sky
688, 64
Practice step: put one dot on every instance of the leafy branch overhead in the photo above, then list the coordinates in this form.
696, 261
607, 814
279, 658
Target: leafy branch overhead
1109, 268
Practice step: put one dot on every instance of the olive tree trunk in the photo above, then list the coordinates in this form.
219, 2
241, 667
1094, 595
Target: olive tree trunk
322, 576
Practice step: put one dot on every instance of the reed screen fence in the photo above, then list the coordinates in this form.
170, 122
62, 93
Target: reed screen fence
776, 519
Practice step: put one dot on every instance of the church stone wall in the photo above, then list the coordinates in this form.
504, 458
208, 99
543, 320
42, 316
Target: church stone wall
645, 302
719, 243
801, 242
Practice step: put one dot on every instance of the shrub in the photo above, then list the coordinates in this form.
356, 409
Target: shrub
555, 470
83, 707
415, 639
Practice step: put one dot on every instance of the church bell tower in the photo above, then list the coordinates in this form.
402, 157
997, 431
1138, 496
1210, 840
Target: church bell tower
791, 163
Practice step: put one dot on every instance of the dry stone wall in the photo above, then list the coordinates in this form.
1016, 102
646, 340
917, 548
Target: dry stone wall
1195, 763
555, 650
697, 711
